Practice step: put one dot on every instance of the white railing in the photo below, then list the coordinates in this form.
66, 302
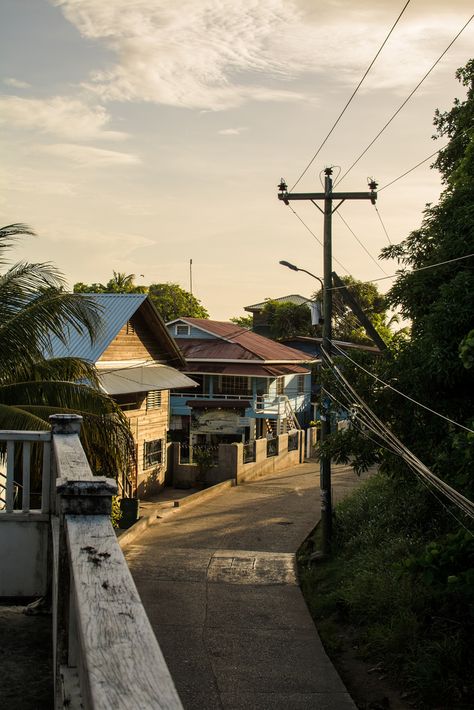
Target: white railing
105, 654
15, 478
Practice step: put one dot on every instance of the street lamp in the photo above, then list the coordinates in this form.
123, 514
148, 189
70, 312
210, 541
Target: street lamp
297, 268
316, 309
325, 459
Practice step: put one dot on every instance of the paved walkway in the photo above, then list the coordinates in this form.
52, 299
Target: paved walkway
218, 581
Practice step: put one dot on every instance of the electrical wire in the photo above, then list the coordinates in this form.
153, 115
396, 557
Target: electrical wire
361, 243
317, 238
415, 464
407, 172
405, 101
402, 394
352, 95
383, 226
407, 273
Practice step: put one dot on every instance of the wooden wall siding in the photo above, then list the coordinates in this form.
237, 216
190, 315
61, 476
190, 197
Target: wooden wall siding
148, 426
140, 345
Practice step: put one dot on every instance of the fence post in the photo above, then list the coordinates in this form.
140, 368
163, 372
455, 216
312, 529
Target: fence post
77, 492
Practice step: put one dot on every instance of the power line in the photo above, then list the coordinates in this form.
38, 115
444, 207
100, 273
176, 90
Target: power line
405, 101
317, 238
407, 172
402, 394
391, 451
352, 96
383, 226
361, 243
407, 273
413, 462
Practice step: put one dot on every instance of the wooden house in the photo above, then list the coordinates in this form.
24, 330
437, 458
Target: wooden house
137, 361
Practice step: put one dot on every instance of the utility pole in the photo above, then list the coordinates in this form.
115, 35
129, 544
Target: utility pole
191, 277
328, 196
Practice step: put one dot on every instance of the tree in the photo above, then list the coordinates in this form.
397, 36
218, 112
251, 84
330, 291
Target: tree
119, 283
172, 302
432, 366
287, 320
34, 309
243, 321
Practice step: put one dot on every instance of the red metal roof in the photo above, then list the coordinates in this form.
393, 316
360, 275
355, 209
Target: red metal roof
256, 346
242, 369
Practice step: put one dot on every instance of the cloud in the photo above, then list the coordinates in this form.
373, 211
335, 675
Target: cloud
61, 116
87, 156
218, 54
232, 131
191, 54
16, 83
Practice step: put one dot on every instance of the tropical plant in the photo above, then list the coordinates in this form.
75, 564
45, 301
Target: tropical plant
34, 310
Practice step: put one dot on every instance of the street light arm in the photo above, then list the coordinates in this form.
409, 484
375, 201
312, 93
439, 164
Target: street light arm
297, 268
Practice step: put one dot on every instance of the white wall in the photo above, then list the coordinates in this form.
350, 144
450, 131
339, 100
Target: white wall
23, 556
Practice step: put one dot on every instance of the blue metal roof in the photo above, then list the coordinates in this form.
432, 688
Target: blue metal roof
116, 310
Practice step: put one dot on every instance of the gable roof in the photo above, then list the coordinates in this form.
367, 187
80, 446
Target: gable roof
235, 343
115, 309
293, 298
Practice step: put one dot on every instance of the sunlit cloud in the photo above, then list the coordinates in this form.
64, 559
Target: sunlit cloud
60, 116
217, 55
87, 156
16, 83
232, 131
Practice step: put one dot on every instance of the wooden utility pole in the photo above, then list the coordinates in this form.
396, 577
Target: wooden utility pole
328, 196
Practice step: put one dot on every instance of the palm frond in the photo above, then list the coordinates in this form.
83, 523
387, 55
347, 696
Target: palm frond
67, 369
16, 418
106, 438
10, 233
52, 314
57, 394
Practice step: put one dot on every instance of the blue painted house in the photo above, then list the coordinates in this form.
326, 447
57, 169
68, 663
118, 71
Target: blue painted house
248, 386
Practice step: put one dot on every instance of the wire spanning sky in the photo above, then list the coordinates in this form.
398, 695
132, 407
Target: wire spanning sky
139, 134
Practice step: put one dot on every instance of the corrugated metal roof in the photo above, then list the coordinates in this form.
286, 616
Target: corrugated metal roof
116, 310
259, 347
293, 298
144, 378
243, 369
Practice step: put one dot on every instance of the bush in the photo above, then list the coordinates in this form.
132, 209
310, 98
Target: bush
406, 587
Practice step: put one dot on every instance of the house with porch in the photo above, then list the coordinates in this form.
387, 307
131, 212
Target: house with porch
138, 363
249, 387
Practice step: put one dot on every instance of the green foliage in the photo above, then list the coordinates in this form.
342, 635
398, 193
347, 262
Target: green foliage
172, 302
116, 513
204, 458
119, 283
404, 586
243, 321
34, 308
286, 320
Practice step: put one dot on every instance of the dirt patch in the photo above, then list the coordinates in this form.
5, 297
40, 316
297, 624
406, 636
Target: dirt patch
26, 660
368, 683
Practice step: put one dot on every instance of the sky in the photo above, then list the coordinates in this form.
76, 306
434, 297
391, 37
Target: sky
137, 135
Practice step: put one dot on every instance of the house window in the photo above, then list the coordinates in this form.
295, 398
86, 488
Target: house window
126, 402
232, 384
182, 329
300, 384
152, 453
153, 399
130, 328
280, 385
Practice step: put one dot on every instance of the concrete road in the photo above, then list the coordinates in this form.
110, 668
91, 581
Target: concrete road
218, 581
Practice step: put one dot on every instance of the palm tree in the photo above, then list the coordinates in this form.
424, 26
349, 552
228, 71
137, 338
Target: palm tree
34, 309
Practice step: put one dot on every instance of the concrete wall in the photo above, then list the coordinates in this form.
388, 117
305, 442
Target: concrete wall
23, 554
231, 465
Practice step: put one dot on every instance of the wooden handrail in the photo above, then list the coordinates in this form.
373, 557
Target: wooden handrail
106, 654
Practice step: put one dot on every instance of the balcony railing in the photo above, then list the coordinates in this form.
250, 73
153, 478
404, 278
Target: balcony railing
105, 653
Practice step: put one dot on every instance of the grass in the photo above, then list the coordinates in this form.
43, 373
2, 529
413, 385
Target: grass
409, 609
